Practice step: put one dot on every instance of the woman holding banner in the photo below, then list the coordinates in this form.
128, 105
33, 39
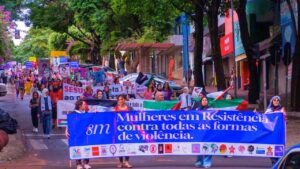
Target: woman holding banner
203, 160
275, 107
121, 107
80, 107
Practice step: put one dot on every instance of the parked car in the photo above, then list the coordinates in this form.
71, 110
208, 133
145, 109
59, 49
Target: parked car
290, 159
157, 78
3, 90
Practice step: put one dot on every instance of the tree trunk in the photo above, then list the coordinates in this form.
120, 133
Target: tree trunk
254, 89
295, 89
112, 60
95, 54
215, 44
198, 74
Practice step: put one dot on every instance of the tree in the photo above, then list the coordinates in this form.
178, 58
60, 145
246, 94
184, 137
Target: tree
253, 93
35, 44
101, 23
57, 41
194, 9
212, 9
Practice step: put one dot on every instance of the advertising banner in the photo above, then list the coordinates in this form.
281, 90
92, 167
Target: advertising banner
112, 134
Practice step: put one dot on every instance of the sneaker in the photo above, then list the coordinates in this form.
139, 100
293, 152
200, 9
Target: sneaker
36, 130
79, 166
86, 166
120, 165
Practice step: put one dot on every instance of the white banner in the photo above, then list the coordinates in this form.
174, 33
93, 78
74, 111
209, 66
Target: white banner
71, 92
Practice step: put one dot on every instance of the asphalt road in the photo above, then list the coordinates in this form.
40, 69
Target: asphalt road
42, 153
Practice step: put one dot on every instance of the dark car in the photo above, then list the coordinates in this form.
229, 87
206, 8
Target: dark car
290, 159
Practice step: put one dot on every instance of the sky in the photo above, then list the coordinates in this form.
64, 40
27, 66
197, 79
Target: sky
23, 32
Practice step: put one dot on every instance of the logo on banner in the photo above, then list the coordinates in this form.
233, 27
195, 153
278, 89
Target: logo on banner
231, 149
153, 148
86, 151
223, 148
214, 148
195, 148
241, 149
160, 148
260, 150
103, 150
279, 150
176, 148
205, 148
250, 149
168, 148
122, 149
143, 148
95, 151
270, 151
76, 152
185, 148
113, 149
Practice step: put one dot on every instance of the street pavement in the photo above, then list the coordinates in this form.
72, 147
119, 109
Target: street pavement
27, 150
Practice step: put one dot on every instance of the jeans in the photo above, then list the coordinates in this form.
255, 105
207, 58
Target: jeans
203, 161
47, 122
34, 117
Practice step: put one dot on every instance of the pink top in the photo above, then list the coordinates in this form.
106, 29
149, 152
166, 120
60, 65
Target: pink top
148, 95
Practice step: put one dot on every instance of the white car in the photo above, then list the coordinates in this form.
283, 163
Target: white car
3, 90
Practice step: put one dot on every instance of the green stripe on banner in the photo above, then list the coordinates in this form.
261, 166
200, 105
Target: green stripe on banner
228, 104
162, 105
225, 103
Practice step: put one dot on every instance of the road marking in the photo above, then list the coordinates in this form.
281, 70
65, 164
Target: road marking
41, 135
38, 144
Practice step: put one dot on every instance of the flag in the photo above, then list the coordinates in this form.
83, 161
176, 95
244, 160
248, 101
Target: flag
234, 104
162, 105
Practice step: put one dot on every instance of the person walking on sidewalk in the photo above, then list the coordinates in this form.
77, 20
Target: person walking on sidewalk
35, 109
46, 109
80, 107
124, 161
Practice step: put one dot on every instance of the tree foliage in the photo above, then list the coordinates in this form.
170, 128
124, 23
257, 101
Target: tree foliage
57, 41
100, 24
35, 44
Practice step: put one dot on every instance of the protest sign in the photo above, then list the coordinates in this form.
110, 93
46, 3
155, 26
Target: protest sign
44, 68
176, 133
71, 92
64, 70
63, 108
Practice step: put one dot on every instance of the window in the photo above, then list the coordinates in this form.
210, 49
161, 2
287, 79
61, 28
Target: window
292, 161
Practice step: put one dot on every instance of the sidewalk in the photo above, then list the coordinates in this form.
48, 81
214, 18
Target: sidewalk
16, 145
